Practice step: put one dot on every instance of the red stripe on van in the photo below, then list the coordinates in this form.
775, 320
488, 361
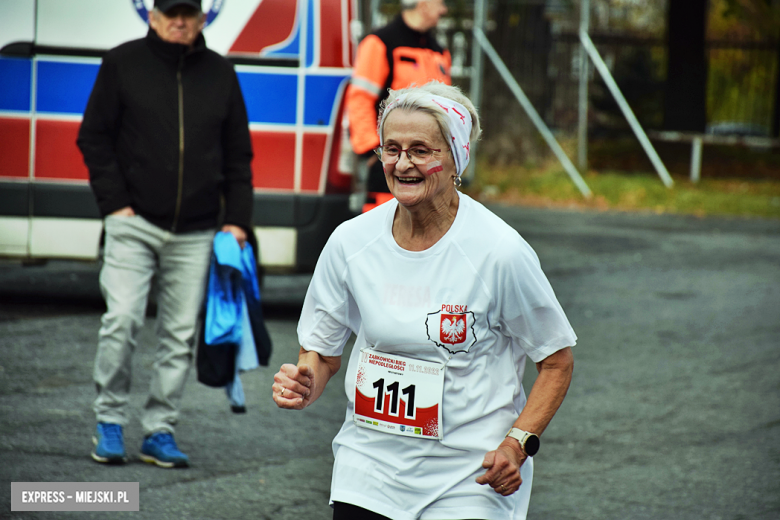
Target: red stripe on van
351, 15
274, 162
313, 155
272, 22
56, 153
331, 39
14, 148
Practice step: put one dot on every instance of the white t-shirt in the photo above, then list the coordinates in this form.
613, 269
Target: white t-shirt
388, 296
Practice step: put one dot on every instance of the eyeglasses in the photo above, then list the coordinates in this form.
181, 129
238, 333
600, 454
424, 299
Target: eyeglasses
419, 154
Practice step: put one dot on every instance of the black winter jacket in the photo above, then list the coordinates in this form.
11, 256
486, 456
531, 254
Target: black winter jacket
166, 132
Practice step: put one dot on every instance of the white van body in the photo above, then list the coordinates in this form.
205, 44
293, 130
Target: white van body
293, 59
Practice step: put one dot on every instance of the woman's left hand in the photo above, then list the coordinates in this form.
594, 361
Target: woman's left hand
503, 469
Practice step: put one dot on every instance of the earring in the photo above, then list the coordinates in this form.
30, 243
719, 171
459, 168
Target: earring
457, 181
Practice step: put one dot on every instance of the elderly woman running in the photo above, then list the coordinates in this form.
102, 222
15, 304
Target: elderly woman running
447, 302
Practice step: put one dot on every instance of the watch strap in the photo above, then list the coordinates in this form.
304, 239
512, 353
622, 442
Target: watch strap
522, 437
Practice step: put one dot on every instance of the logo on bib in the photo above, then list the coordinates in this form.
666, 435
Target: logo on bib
451, 328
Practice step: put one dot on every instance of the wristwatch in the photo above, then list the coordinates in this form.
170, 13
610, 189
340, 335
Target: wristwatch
529, 442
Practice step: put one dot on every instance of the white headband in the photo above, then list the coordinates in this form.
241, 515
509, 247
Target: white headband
460, 128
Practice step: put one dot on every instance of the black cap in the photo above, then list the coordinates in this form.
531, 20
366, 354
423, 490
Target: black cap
167, 5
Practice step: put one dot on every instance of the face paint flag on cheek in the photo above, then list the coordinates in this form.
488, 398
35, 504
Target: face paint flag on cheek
459, 119
434, 167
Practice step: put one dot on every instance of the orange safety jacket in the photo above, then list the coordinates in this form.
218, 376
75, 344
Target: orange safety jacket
395, 56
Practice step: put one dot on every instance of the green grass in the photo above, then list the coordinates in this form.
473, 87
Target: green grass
552, 187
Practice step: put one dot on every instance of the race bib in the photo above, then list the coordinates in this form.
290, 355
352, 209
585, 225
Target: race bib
399, 395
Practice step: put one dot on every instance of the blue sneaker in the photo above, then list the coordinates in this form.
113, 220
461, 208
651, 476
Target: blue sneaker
160, 448
109, 444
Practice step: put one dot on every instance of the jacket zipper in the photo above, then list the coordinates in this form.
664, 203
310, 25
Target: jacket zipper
181, 147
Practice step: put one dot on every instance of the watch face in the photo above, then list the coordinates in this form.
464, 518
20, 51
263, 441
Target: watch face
531, 445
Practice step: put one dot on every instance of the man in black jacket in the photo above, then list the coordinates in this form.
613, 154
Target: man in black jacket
166, 140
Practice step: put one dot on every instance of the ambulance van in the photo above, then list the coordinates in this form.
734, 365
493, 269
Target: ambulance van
293, 60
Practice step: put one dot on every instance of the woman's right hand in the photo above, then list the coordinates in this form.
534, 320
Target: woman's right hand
297, 386
292, 386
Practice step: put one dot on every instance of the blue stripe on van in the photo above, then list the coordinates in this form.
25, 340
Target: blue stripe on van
321, 94
290, 51
15, 84
269, 98
310, 35
64, 87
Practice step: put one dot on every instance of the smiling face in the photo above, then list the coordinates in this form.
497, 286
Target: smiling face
181, 24
412, 184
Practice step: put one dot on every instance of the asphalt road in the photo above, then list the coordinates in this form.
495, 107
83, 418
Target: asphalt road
673, 413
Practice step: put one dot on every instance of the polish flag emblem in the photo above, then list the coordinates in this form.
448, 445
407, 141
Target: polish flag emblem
453, 332
453, 328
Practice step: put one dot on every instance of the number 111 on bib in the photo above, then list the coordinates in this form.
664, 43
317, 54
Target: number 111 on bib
399, 395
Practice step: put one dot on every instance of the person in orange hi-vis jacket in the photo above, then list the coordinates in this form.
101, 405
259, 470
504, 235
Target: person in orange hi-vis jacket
396, 56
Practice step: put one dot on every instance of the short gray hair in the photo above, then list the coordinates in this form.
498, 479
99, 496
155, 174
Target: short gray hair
409, 4
418, 98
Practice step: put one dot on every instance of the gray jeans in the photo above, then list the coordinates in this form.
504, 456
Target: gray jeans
135, 251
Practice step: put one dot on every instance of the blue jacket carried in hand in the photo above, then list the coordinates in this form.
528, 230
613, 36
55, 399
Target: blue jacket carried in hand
234, 337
